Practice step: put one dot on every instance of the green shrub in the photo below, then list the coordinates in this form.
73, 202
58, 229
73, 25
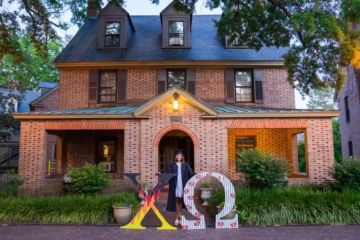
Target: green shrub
90, 179
293, 205
262, 169
127, 199
12, 183
346, 174
76, 209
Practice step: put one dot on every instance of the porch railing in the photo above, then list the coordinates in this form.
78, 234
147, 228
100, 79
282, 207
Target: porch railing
51, 166
8, 156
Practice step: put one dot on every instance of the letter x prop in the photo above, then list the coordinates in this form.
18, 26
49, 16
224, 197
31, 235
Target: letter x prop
135, 223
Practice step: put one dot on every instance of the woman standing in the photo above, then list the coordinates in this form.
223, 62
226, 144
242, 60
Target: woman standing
177, 184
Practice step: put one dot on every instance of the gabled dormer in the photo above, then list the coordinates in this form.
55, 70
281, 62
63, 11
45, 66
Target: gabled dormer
115, 27
176, 28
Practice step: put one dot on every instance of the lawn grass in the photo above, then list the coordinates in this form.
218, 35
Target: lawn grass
75, 209
294, 205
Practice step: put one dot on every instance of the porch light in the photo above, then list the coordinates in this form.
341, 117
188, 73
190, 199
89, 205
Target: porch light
176, 102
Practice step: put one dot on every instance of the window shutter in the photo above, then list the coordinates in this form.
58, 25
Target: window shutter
190, 81
121, 86
258, 86
93, 86
230, 85
161, 80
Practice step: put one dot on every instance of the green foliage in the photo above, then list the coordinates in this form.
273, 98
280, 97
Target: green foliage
262, 169
34, 66
322, 99
317, 32
302, 157
144, 185
346, 174
38, 19
90, 179
9, 188
127, 199
293, 205
205, 184
337, 139
78, 209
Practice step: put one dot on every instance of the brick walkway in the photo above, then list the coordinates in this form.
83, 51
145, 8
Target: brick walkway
72, 232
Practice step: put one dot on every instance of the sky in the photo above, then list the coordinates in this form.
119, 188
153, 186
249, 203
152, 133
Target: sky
144, 7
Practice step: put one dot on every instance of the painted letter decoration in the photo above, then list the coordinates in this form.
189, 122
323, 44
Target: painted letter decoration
135, 223
190, 204
189, 198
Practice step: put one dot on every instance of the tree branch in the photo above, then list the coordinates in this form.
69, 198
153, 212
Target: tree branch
288, 14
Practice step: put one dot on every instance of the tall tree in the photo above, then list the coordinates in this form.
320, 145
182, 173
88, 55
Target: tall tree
39, 19
318, 33
33, 67
322, 99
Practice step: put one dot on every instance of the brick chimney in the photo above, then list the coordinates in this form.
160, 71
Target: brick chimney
91, 10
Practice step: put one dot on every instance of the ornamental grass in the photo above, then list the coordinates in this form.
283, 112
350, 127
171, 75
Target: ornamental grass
72, 209
293, 205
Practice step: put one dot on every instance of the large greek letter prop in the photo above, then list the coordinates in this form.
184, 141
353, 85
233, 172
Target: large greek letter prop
190, 204
135, 223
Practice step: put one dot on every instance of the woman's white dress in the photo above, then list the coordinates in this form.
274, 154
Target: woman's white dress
179, 192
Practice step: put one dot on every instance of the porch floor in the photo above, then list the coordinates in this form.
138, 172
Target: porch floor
151, 220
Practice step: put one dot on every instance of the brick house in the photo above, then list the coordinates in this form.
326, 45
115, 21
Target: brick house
348, 101
133, 89
9, 149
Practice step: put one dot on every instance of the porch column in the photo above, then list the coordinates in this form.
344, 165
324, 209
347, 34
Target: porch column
320, 149
132, 147
32, 162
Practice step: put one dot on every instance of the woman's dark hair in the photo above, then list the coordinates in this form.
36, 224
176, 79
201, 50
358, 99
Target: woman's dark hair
182, 158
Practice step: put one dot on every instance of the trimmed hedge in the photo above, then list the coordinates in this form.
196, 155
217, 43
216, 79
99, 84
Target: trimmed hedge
294, 205
77, 209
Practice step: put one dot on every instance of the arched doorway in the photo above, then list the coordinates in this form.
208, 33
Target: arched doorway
172, 141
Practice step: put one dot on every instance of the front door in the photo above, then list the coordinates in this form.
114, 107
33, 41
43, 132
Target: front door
167, 148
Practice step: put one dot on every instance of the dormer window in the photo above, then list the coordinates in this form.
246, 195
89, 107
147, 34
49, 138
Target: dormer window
115, 28
176, 28
112, 34
176, 33
11, 105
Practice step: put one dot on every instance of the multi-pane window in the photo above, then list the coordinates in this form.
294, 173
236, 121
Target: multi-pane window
107, 87
244, 86
112, 34
106, 153
347, 109
176, 33
243, 143
176, 78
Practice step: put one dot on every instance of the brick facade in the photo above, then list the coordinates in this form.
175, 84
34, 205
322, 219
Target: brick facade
350, 131
138, 139
142, 87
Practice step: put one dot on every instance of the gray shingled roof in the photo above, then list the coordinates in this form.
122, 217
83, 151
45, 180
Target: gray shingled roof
47, 84
29, 96
145, 44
